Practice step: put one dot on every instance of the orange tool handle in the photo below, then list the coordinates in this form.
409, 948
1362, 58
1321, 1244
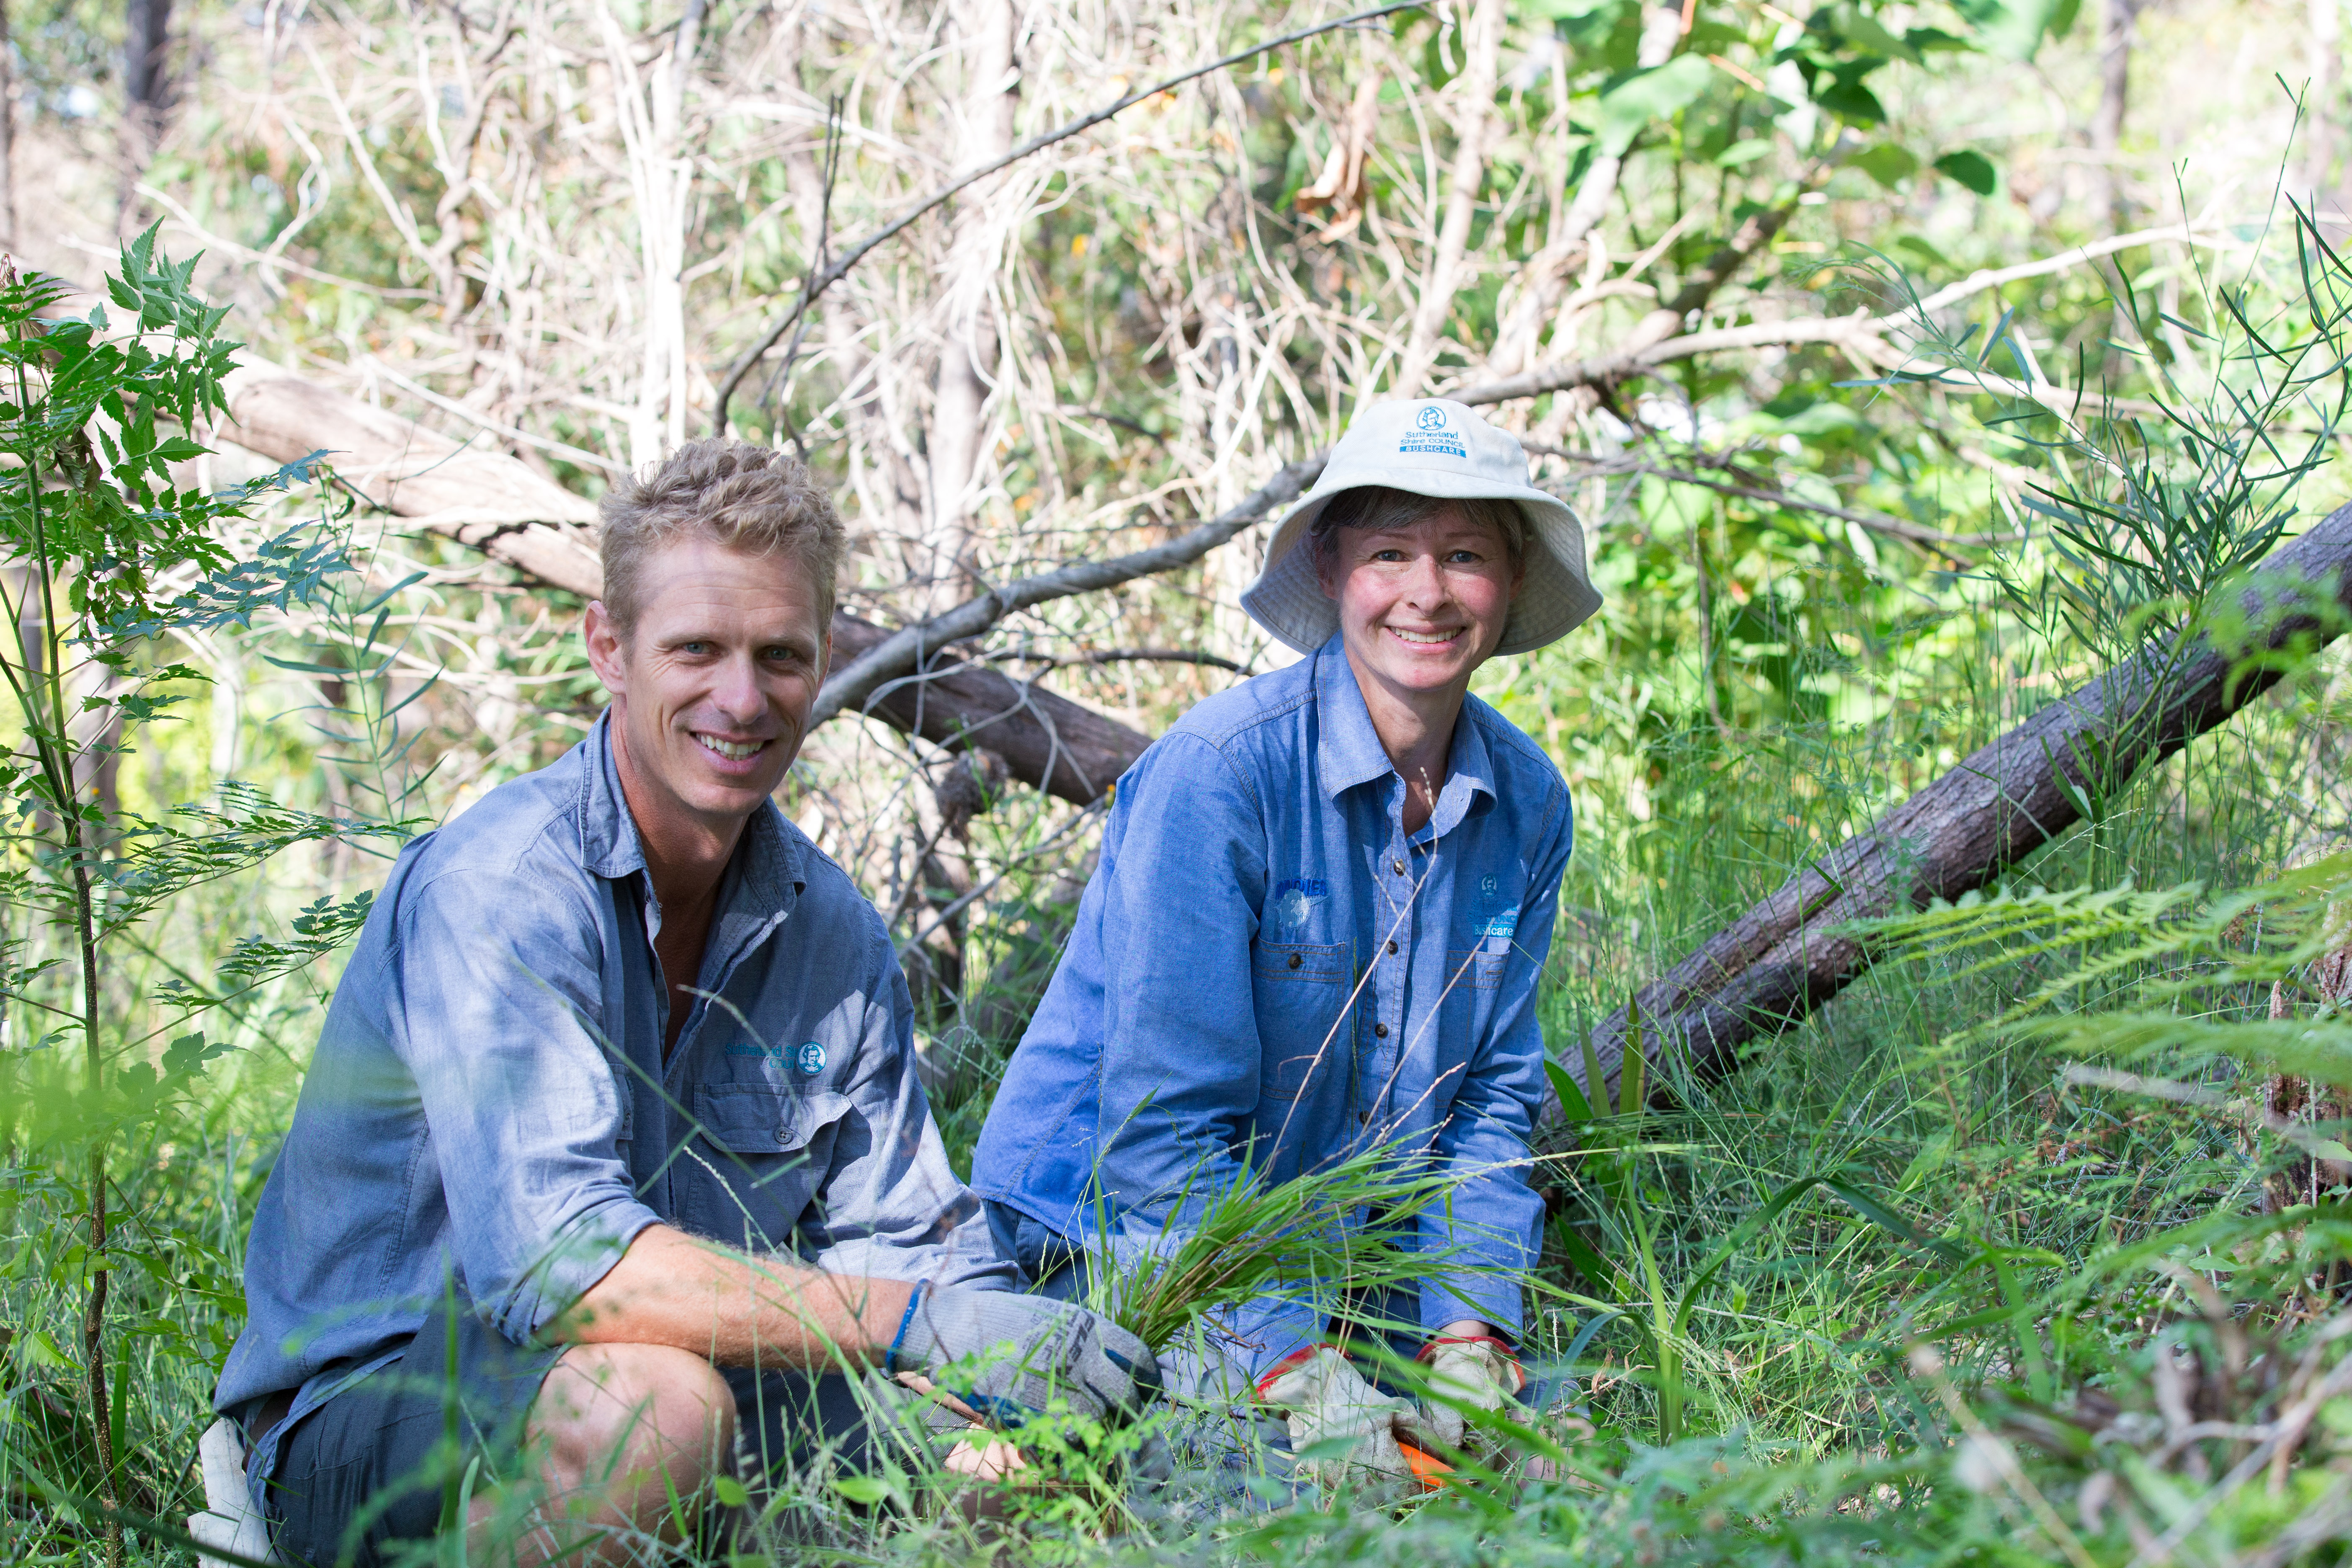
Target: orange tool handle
1427, 1468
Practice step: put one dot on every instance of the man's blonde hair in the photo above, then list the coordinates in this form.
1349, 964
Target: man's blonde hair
751, 498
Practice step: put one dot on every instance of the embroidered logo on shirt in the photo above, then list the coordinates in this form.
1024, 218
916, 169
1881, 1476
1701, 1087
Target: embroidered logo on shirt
1294, 902
1435, 435
809, 1058
1497, 926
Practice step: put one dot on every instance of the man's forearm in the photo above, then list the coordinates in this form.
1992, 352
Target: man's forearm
670, 1288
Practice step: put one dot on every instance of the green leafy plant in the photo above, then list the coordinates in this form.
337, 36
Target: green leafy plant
105, 547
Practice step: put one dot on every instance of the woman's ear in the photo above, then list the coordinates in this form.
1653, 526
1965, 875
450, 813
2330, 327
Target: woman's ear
1326, 564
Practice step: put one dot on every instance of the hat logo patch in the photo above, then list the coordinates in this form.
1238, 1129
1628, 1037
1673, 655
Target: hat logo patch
1432, 436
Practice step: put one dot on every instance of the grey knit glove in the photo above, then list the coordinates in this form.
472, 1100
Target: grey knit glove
1009, 1356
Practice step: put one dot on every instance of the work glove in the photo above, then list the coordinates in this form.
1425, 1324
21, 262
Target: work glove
1478, 1371
1325, 1398
1008, 1357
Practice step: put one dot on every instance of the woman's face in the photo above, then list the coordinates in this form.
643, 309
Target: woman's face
1421, 607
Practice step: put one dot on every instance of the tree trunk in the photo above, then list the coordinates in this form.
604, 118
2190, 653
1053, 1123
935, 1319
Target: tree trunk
8, 134
1788, 953
2107, 124
493, 503
147, 36
1482, 45
969, 350
2326, 82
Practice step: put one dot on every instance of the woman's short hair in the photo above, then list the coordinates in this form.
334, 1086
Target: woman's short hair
752, 499
1379, 509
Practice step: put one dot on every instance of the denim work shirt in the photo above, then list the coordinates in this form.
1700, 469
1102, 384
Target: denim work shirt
1266, 966
489, 1105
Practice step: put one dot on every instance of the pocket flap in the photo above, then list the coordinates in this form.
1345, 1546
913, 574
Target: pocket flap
1302, 961
1474, 969
754, 1119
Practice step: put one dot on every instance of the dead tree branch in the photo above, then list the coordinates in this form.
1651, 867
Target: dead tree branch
491, 502
1795, 950
1877, 522
902, 651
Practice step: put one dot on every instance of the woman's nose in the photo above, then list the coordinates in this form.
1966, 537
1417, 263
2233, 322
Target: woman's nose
1424, 584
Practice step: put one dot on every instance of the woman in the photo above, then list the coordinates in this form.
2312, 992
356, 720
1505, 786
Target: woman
1322, 904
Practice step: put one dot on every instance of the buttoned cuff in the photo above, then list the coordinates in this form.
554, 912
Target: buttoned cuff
1497, 1298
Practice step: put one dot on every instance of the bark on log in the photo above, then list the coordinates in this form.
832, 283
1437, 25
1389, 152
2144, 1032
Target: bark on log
1787, 956
493, 503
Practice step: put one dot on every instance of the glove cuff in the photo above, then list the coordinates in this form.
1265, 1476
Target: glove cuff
1296, 1359
1502, 1348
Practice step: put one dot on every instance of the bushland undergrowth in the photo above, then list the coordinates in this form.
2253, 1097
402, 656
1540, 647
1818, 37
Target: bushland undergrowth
1982, 1262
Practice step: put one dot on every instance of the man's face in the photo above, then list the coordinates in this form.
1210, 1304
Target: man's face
1421, 607
711, 692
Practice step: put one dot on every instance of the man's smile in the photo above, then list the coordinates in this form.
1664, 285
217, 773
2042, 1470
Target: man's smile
733, 750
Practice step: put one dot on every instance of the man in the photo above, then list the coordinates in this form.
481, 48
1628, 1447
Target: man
616, 1014
1314, 931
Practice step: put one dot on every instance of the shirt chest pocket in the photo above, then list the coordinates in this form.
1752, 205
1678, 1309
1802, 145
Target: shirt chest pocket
1300, 992
1474, 984
757, 1162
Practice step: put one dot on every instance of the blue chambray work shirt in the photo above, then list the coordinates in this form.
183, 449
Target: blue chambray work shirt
488, 1101
1267, 966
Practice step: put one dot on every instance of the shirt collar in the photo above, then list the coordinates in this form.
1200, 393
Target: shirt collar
766, 876
1469, 773
1349, 750
608, 834
1350, 753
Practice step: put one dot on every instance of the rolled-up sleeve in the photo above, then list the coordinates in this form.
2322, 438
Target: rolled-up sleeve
496, 1010
890, 1205
1493, 1221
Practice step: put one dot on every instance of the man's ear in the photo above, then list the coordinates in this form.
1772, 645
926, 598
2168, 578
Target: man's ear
606, 654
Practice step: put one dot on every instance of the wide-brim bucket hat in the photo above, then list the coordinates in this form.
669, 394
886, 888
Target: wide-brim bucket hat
1429, 446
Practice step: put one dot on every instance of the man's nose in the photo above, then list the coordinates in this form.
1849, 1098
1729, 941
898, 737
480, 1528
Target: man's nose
737, 691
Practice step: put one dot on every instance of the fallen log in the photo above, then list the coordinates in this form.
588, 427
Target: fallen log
1791, 953
493, 503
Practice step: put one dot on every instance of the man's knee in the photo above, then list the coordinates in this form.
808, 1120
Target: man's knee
607, 1410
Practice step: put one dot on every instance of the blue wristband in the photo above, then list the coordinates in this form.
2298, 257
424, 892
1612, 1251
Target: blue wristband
914, 1300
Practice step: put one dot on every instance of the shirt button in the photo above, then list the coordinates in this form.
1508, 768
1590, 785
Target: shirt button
1381, 1031
1391, 947
1398, 867
1295, 960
